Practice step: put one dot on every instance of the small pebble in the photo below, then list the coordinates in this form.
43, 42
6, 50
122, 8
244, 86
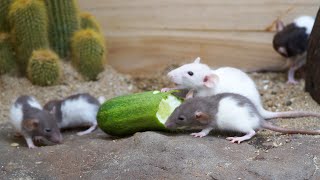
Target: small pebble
288, 103
14, 144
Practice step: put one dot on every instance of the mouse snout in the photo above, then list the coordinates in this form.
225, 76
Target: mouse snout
170, 125
56, 138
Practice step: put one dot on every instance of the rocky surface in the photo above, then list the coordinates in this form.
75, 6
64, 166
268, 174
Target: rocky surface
157, 155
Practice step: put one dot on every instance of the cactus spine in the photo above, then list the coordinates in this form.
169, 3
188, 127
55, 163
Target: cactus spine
7, 63
88, 53
4, 10
89, 21
44, 68
29, 29
63, 22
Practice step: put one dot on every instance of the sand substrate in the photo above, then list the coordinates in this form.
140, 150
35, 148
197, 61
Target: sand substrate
276, 94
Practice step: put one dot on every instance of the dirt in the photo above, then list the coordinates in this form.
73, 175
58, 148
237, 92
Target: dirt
158, 155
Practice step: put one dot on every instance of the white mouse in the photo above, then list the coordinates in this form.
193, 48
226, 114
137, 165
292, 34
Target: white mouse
225, 111
207, 82
76, 111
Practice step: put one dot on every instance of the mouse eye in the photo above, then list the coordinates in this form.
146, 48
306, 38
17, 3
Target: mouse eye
190, 73
181, 118
47, 130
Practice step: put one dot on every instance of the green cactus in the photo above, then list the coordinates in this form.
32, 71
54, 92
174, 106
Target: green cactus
44, 68
29, 23
4, 8
63, 22
89, 21
7, 62
88, 53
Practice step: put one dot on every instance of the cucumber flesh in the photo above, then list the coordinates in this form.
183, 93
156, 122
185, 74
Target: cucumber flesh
166, 107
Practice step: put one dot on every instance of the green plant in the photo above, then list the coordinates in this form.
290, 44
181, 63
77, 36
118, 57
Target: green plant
88, 53
7, 62
29, 24
4, 9
43, 68
89, 21
63, 22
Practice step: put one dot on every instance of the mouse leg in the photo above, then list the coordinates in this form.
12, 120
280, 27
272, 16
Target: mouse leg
190, 94
203, 133
29, 142
92, 128
295, 66
249, 135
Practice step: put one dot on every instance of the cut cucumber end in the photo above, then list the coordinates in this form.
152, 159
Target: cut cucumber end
166, 107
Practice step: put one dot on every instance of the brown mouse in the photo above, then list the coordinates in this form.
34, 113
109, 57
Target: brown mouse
226, 111
32, 122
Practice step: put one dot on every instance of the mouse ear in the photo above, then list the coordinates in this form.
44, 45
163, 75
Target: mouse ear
210, 79
53, 110
202, 117
30, 124
279, 25
197, 60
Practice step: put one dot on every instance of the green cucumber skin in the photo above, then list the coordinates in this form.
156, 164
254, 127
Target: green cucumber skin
126, 115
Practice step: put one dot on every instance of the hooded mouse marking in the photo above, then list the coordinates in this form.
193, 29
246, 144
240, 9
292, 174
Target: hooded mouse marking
226, 111
76, 111
207, 82
291, 42
32, 122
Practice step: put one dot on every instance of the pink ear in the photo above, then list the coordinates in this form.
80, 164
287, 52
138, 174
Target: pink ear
210, 80
202, 117
279, 25
30, 124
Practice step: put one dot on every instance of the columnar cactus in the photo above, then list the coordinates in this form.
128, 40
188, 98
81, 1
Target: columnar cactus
44, 68
88, 53
7, 62
4, 9
63, 22
29, 22
89, 21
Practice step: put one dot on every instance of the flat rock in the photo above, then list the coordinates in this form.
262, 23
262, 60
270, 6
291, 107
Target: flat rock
156, 155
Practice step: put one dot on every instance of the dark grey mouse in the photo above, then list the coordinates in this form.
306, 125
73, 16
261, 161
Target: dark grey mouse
76, 111
32, 122
226, 111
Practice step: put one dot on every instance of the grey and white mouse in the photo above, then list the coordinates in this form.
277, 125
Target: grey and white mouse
226, 111
32, 122
207, 82
76, 111
291, 42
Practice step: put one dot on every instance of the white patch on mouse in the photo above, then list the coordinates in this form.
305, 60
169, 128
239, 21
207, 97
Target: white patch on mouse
242, 120
16, 116
306, 22
101, 99
78, 111
34, 103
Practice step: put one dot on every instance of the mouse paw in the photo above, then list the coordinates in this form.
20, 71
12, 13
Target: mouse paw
32, 147
235, 139
200, 134
165, 89
292, 82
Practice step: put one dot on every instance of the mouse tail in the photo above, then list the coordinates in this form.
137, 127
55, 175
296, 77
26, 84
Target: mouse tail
271, 127
101, 99
287, 114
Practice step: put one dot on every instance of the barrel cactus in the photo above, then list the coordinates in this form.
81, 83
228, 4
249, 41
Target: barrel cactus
29, 22
4, 9
7, 62
89, 21
44, 68
88, 53
63, 22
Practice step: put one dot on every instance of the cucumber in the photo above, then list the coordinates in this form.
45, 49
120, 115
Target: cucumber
128, 114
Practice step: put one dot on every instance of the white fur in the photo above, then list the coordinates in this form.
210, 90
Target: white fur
101, 99
181, 77
231, 116
78, 111
306, 22
16, 114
